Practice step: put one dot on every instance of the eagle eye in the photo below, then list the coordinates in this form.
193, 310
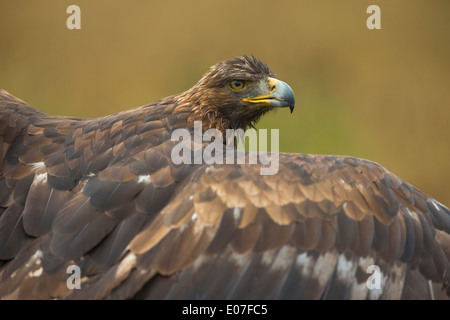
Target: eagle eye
237, 85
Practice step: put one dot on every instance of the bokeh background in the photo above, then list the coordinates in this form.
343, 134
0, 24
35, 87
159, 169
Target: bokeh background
382, 94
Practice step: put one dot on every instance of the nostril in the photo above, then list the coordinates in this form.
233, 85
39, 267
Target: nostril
272, 85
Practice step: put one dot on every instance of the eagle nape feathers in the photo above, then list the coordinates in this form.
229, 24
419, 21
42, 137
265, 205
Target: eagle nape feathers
102, 199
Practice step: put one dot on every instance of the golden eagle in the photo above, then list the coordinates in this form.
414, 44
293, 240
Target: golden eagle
102, 199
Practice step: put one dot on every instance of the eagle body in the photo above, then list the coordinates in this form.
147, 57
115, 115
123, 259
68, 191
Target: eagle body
103, 197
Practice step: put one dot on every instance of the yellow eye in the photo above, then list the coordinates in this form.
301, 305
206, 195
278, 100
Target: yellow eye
237, 85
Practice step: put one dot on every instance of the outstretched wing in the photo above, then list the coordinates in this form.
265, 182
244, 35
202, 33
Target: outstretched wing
103, 195
311, 231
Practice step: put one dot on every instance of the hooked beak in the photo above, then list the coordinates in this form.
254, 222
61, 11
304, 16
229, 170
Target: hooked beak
280, 95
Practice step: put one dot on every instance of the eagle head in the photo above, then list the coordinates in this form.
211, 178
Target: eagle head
235, 93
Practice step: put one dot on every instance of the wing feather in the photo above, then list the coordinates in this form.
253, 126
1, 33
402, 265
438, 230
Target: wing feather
103, 194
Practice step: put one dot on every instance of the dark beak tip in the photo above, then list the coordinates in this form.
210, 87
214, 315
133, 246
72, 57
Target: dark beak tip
286, 94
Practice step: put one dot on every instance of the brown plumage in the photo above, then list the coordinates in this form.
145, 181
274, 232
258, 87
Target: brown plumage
104, 195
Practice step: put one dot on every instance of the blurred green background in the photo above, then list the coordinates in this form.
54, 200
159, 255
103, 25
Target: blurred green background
382, 94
